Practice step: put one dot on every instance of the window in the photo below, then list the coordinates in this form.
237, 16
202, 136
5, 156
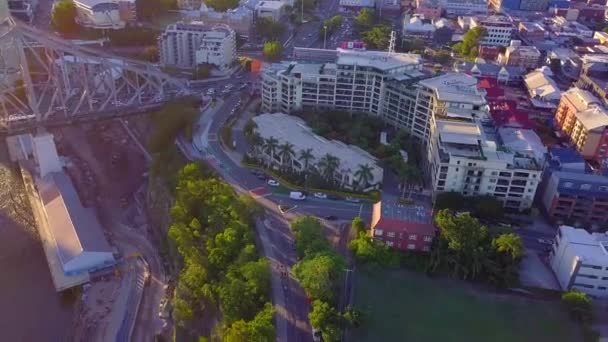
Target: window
428, 238
492, 180
585, 186
426, 248
389, 243
591, 266
587, 276
587, 286
601, 287
413, 237
390, 234
378, 232
568, 185
603, 188
411, 246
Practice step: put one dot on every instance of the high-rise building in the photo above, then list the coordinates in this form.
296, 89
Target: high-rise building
187, 45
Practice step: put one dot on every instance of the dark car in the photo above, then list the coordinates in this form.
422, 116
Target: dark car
331, 218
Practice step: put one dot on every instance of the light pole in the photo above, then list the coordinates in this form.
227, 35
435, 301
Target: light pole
324, 35
302, 12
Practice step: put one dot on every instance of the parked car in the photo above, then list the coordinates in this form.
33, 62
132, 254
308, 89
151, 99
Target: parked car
296, 195
273, 182
331, 218
320, 195
545, 241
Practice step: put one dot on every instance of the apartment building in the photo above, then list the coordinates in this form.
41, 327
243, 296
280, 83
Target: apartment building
579, 260
186, 45
403, 227
464, 7
571, 192
581, 116
468, 154
519, 55
499, 29
354, 83
291, 129
99, 14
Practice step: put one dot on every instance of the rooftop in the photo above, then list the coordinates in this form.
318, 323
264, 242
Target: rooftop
588, 247
593, 118
75, 229
540, 84
270, 4
523, 141
290, 128
580, 99
456, 87
377, 59
455, 132
416, 219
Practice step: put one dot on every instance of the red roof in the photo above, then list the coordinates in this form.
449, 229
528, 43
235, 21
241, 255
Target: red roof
505, 113
405, 226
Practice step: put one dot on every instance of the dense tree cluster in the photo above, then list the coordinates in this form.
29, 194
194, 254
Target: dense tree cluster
319, 272
483, 207
63, 17
268, 28
378, 37
331, 25
368, 251
222, 5
365, 19
171, 119
221, 269
469, 251
469, 47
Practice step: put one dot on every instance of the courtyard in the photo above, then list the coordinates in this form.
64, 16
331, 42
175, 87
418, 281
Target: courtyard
405, 306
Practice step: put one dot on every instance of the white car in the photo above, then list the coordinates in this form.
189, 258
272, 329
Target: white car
545, 241
273, 182
296, 195
320, 195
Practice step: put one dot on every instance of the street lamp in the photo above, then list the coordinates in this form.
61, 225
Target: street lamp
324, 36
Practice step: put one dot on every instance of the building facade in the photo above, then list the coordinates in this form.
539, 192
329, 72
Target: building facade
571, 192
580, 261
187, 45
407, 228
524, 56
499, 30
99, 14
464, 7
581, 116
290, 129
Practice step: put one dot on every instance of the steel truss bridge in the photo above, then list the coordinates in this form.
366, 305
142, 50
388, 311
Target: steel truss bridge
48, 81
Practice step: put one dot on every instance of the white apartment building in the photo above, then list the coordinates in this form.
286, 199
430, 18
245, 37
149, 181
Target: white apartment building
499, 30
270, 9
355, 83
580, 261
467, 154
464, 7
290, 129
358, 3
99, 14
185, 45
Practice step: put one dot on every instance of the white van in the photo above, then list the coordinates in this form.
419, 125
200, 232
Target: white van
296, 195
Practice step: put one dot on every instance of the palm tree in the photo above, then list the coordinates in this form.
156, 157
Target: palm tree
306, 157
509, 244
364, 175
328, 165
270, 145
286, 153
256, 141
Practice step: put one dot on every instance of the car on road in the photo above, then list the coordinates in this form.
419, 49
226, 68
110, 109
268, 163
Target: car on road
352, 200
296, 195
210, 91
545, 241
320, 195
331, 218
273, 182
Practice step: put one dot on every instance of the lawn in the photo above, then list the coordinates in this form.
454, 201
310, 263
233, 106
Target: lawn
405, 306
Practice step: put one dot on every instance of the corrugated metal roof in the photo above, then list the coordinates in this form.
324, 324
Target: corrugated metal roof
74, 227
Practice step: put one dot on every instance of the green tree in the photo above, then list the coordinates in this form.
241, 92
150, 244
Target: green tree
202, 71
222, 5
319, 275
332, 24
469, 47
273, 50
442, 57
150, 54
308, 235
182, 311
365, 19
353, 316
368, 251
270, 146
149, 9
364, 175
377, 37
579, 305
286, 153
414, 45
328, 165
509, 244
358, 225
325, 318
260, 328
306, 157
269, 29
309, 5
450, 200
64, 17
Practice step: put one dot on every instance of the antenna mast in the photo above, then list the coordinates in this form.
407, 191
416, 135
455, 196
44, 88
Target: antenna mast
391, 45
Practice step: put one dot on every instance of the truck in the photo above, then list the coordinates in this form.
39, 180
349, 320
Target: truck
296, 195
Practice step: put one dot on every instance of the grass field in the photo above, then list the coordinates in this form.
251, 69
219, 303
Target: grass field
404, 306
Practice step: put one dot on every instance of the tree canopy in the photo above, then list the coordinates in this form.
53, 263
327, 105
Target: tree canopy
378, 37
579, 305
273, 50
365, 19
332, 25
469, 47
269, 29
325, 318
222, 5
63, 17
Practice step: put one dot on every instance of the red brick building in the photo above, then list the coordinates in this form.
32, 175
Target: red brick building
405, 227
